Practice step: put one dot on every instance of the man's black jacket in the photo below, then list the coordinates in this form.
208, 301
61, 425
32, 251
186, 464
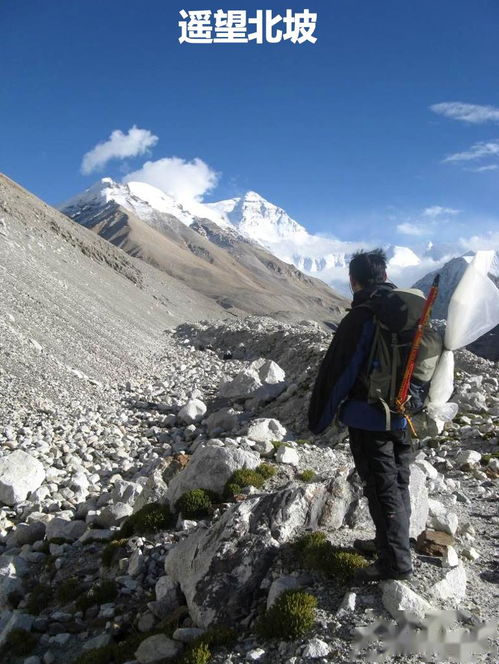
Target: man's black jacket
341, 383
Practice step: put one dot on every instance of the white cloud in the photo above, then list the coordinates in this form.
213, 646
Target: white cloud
483, 169
471, 113
489, 240
118, 146
438, 211
477, 151
182, 179
411, 229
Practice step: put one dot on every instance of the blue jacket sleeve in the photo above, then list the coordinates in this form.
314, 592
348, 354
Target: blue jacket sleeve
340, 368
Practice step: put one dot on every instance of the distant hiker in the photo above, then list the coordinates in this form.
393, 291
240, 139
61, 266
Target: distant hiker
379, 440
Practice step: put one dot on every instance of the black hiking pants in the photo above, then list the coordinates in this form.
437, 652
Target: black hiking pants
382, 460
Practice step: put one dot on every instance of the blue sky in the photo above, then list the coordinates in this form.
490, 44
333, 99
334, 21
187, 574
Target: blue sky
340, 133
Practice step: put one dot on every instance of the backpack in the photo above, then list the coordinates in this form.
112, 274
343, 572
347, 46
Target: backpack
396, 316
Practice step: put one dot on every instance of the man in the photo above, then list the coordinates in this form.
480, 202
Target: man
381, 457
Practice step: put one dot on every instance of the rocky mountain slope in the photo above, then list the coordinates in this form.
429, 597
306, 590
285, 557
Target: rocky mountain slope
218, 261
89, 574
161, 499
76, 311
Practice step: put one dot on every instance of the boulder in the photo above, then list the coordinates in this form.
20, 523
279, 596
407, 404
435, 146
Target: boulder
20, 474
450, 557
209, 468
62, 528
265, 429
419, 501
268, 371
220, 569
433, 542
193, 411
467, 459
451, 588
402, 603
315, 649
442, 518
224, 419
286, 454
245, 384
156, 648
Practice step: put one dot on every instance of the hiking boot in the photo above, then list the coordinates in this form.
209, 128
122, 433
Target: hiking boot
365, 546
375, 573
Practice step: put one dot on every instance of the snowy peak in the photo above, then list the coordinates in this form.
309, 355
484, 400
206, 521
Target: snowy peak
254, 216
401, 256
138, 197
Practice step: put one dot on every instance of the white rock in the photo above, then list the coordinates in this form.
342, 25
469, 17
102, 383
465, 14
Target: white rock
452, 587
400, 601
347, 604
245, 384
280, 585
60, 527
470, 552
286, 454
419, 501
165, 586
316, 648
209, 468
494, 464
468, 458
187, 634
193, 411
255, 655
268, 371
224, 419
136, 563
441, 518
427, 468
450, 557
20, 474
265, 429
155, 648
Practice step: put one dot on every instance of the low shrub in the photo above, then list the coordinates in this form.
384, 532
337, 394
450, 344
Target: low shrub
315, 552
109, 552
151, 518
307, 475
290, 617
266, 470
195, 503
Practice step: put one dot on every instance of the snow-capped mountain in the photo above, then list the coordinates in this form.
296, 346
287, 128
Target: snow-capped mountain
140, 198
259, 221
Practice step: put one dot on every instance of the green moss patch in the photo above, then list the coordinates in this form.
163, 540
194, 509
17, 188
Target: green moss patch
152, 518
112, 550
307, 475
315, 552
290, 617
195, 503
244, 477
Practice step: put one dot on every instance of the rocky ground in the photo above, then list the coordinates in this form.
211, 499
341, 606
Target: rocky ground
221, 396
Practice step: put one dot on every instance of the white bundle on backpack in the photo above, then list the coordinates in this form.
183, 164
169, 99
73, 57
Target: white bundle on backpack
473, 311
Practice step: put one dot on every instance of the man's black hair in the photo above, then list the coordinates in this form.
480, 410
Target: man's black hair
368, 267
